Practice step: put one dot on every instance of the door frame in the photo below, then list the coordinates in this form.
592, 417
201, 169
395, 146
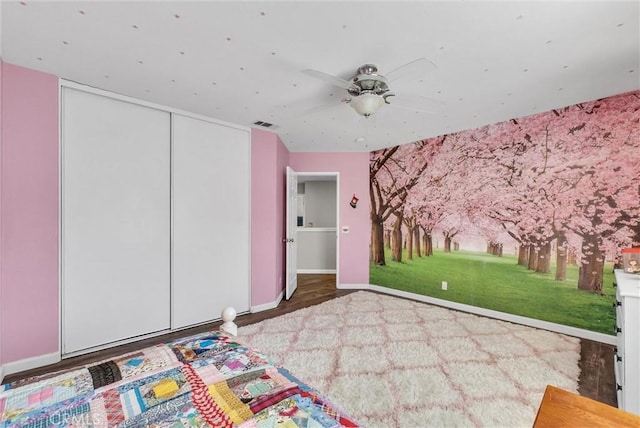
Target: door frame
306, 174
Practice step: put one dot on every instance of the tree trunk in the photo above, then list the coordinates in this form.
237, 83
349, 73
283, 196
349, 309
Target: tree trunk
494, 248
533, 257
410, 242
430, 245
425, 245
427, 250
592, 265
561, 258
377, 250
387, 238
447, 244
396, 241
523, 255
544, 258
416, 240
636, 232
500, 250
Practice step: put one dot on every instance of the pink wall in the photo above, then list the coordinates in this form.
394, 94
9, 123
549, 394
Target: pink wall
354, 179
1, 369
269, 158
29, 221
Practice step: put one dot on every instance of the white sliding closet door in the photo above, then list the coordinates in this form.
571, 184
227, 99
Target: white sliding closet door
211, 243
115, 220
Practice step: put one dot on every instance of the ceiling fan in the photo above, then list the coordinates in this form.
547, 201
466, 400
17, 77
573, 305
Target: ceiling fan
369, 90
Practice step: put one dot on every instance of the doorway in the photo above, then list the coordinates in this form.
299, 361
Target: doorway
313, 236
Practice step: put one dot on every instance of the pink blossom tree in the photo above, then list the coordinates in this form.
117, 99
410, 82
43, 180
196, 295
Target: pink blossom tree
569, 176
392, 174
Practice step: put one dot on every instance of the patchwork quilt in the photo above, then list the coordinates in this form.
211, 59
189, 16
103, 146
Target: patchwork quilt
208, 379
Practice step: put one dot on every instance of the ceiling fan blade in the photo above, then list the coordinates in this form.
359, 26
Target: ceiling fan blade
320, 108
415, 102
334, 80
413, 68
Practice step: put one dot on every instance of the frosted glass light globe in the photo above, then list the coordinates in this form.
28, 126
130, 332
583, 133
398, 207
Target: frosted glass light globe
366, 104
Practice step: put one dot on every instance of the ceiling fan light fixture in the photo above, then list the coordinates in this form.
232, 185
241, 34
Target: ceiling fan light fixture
366, 104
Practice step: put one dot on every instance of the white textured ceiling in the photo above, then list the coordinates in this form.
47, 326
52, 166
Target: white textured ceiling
242, 61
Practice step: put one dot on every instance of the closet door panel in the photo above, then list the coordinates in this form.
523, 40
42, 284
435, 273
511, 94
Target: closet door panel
115, 220
211, 243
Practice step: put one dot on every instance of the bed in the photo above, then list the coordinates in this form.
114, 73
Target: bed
209, 379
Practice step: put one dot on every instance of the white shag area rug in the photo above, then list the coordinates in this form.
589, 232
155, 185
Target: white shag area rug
391, 362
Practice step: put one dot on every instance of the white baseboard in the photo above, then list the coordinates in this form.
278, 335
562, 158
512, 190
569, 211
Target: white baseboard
516, 319
353, 286
267, 306
315, 271
30, 363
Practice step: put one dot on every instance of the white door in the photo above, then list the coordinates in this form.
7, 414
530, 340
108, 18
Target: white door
115, 219
292, 226
211, 231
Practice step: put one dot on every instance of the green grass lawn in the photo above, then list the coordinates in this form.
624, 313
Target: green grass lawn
498, 283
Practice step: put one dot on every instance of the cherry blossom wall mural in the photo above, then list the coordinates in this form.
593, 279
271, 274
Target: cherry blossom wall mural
526, 217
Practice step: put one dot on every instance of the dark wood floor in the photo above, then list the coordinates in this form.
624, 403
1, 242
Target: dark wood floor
596, 359
597, 378
312, 290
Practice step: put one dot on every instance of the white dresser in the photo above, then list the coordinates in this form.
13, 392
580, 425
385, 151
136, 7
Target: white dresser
627, 356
